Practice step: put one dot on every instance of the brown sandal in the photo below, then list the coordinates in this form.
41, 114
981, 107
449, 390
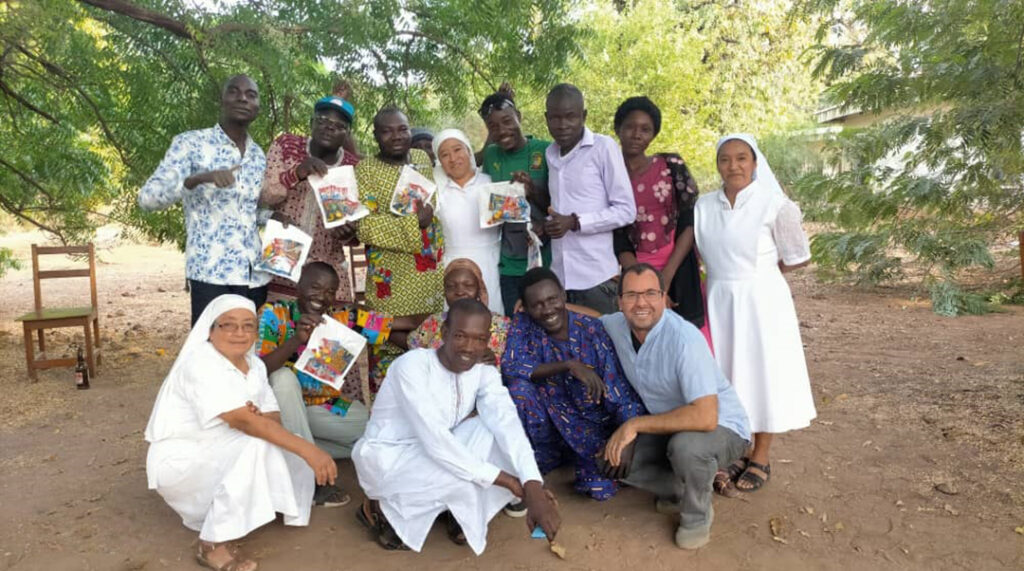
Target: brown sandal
724, 486
234, 563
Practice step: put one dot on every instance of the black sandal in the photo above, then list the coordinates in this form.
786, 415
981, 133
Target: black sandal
736, 469
453, 528
379, 527
755, 482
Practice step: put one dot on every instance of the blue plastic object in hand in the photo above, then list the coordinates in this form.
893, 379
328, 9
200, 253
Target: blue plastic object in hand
538, 533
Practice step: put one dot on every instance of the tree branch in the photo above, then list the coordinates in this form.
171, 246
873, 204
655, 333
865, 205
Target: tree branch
143, 15
25, 103
75, 86
32, 182
461, 53
17, 212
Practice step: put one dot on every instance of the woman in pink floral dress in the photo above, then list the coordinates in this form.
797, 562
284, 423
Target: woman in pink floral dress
665, 193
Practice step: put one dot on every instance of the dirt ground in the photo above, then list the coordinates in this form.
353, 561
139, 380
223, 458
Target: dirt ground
916, 459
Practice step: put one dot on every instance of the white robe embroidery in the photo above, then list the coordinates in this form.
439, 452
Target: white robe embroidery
421, 455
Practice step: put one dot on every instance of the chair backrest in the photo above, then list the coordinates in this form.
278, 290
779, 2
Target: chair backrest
357, 265
40, 275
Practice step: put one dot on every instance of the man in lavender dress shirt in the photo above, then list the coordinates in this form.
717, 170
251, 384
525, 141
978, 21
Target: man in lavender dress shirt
590, 197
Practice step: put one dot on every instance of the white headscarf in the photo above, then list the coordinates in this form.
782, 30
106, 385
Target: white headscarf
200, 334
763, 173
441, 177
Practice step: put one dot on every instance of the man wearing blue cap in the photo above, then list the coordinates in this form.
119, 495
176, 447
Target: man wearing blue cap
291, 160
216, 175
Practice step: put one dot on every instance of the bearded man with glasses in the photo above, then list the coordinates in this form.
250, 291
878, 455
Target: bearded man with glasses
696, 426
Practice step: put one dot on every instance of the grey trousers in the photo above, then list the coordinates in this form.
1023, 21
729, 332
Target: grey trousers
682, 466
602, 298
335, 434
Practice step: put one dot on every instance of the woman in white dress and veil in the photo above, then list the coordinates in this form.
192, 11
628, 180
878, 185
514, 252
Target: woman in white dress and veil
218, 454
749, 233
458, 208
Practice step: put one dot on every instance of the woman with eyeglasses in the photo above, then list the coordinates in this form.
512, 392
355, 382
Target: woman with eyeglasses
749, 234
291, 160
218, 454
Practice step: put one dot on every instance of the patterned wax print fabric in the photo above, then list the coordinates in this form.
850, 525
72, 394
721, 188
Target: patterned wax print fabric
277, 324
428, 334
221, 223
285, 193
404, 274
563, 424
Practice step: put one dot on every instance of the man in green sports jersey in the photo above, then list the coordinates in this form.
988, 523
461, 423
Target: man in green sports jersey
512, 156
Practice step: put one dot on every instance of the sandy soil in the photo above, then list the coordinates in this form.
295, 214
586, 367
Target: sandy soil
916, 459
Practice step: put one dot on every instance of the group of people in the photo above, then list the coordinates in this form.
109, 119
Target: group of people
607, 352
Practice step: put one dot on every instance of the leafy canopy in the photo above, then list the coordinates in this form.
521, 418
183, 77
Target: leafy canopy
939, 182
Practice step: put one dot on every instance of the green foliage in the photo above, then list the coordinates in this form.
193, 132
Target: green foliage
91, 97
8, 261
940, 180
711, 67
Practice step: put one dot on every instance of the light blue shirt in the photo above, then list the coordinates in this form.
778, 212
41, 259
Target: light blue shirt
590, 181
221, 223
674, 367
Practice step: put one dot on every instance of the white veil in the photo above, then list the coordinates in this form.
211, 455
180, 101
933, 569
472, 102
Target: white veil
200, 334
763, 174
440, 177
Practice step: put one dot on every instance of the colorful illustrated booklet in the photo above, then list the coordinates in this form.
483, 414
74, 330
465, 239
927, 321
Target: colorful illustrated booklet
412, 186
502, 202
331, 351
338, 196
284, 250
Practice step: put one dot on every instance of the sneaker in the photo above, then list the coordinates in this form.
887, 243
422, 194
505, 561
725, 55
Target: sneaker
330, 496
695, 537
516, 509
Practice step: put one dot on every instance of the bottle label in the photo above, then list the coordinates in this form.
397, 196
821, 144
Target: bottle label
79, 378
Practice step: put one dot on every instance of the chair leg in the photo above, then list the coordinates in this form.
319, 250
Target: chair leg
30, 358
99, 344
42, 344
88, 351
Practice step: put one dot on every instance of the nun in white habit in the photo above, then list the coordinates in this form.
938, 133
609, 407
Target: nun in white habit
458, 185
218, 454
749, 233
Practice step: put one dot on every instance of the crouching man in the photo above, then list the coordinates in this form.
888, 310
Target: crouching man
696, 426
423, 455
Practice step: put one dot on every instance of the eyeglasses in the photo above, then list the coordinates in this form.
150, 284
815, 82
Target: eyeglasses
233, 326
324, 121
650, 296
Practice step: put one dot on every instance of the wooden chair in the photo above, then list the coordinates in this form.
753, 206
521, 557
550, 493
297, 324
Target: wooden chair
56, 318
356, 256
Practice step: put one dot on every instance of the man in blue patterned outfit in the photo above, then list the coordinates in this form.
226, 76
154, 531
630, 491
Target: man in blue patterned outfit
217, 174
566, 382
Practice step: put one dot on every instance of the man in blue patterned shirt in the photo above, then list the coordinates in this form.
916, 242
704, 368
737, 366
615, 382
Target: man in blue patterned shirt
217, 174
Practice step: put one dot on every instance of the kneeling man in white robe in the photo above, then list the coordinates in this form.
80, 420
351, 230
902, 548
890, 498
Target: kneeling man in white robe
423, 456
